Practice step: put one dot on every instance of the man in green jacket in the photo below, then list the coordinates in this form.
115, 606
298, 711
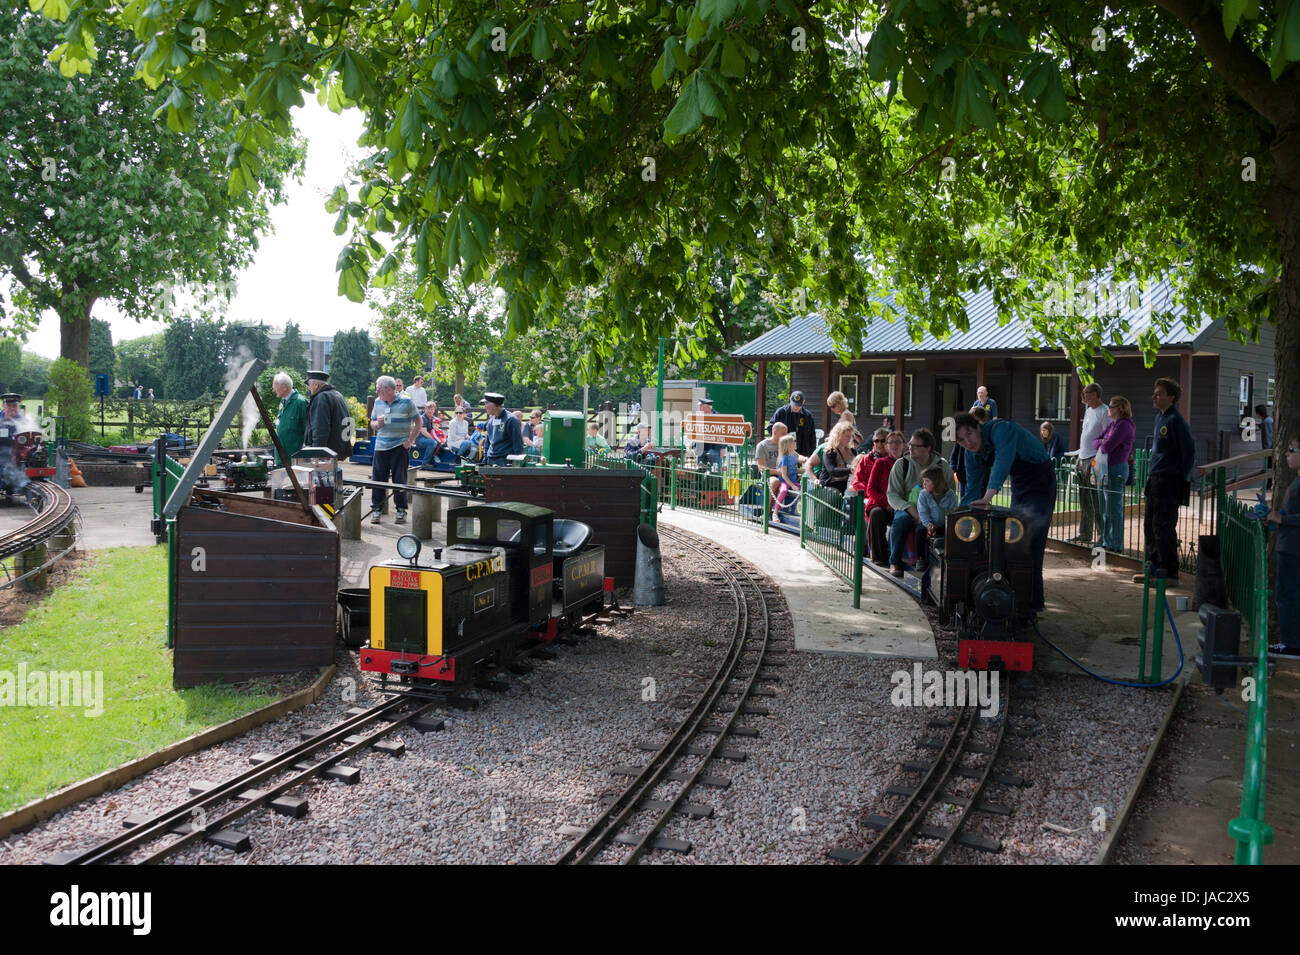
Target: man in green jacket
291, 424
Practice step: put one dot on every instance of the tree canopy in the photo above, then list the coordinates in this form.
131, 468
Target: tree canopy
101, 348
102, 200
548, 147
291, 352
351, 363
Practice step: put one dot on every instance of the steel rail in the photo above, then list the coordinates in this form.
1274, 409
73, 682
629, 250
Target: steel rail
973, 798
58, 509
162, 823
587, 846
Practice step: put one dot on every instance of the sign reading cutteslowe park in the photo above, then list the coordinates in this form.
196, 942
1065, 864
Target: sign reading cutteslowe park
716, 428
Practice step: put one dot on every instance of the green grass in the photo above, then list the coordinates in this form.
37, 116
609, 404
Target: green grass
110, 617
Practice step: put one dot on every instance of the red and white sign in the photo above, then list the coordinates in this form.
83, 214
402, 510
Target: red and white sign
717, 428
405, 578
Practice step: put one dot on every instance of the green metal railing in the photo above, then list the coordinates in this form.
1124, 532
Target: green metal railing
833, 528
608, 460
1245, 563
1073, 498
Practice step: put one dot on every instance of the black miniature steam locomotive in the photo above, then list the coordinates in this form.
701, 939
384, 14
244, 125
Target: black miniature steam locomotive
985, 585
509, 573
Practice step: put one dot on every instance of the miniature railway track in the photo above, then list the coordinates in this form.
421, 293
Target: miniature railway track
900, 834
57, 509
711, 716
197, 818
318, 754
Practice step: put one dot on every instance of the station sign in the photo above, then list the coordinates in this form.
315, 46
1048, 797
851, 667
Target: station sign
730, 429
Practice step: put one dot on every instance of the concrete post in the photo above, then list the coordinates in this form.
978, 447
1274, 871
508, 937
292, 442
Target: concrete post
29, 560
350, 518
422, 515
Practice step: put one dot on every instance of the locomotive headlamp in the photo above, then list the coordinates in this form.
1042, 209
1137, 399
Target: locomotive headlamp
408, 547
1015, 530
967, 529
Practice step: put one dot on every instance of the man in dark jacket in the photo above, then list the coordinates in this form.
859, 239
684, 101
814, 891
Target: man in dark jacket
1169, 480
327, 415
799, 422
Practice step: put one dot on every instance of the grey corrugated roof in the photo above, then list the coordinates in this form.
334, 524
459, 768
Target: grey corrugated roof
806, 336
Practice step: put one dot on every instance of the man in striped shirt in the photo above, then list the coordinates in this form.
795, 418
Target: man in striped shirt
395, 423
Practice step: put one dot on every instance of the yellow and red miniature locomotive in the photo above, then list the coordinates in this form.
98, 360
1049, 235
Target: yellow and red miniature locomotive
503, 578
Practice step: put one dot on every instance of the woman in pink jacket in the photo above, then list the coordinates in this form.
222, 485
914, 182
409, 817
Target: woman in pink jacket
1116, 442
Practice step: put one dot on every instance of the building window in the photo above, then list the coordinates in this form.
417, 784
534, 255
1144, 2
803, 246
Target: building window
849, 385
1049, 398
882, 395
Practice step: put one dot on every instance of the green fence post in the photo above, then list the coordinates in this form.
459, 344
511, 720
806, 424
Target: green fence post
1158, 629
859, 542
803, 509
1142, 642
767, 503
672, 486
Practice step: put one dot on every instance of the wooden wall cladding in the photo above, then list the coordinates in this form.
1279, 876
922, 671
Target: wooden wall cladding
610, 501
264, 600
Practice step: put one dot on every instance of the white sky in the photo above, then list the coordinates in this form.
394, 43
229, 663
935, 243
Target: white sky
292, 277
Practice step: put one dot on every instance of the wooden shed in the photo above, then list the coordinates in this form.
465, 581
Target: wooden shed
252, 582
610, 501
256, 588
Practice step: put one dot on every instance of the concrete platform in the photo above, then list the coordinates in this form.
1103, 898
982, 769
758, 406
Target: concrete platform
1094, 613
1194, 790
114, 517
890, 623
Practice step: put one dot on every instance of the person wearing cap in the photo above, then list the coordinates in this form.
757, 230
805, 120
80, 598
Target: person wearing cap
505, 435
16, 480
707, 454
327, 416
291, 420
800, 423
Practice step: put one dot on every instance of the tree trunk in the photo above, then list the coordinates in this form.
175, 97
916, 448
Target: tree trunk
460, 381
1283, 206
74, 332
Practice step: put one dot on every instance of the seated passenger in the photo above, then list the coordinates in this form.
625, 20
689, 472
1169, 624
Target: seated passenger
595, 440
936, 500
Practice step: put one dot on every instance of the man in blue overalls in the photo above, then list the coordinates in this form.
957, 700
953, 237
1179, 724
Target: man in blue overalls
1000, 448
504, 433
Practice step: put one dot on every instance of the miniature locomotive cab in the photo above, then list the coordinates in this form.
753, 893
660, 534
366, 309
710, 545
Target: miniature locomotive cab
439, 616
318, 474
986, 586
23, 457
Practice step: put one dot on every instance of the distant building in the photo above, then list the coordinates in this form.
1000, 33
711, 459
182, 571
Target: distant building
1221, 379
316, 352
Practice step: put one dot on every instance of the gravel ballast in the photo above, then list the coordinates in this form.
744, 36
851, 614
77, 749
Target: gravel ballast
513, 781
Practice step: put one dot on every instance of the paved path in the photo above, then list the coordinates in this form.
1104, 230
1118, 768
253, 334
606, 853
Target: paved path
890, 623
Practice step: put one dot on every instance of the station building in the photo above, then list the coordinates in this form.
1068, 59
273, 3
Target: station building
930, 379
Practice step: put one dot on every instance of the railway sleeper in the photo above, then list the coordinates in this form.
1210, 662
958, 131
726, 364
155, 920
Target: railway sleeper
693, 809
994, 808
747, 731
295, 807
232, 839
393, 747
677, 776
734, 755
659, 842
971, 840
350, 775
